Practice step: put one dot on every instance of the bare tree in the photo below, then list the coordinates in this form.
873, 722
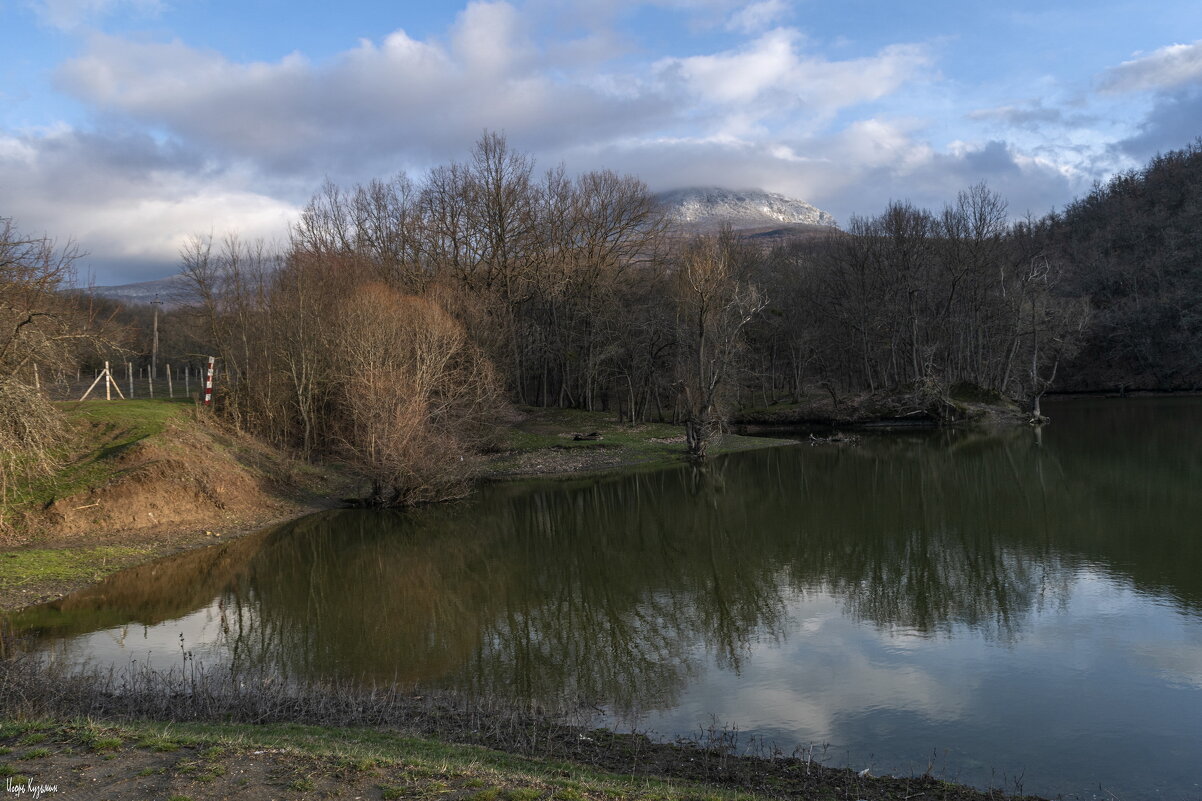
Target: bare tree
714, 305
412, 396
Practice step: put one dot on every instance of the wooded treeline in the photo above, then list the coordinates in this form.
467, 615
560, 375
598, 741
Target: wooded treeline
403, 316
1133, 247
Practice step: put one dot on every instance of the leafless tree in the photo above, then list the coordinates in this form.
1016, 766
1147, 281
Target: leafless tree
714, 306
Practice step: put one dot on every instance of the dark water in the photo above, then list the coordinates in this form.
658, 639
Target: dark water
1002, 610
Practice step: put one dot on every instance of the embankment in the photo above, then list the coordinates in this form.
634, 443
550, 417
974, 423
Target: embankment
140, 479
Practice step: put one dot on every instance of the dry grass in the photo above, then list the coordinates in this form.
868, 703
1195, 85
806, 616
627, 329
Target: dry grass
32, 433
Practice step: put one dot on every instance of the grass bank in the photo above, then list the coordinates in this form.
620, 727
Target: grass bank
213, 734
141, 479
196, 761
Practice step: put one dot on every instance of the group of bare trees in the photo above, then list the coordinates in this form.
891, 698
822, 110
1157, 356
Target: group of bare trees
914, 300
404, 314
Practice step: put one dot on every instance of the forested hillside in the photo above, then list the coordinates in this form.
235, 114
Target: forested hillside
1134, 250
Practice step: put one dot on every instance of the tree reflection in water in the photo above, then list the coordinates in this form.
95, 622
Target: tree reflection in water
618, 590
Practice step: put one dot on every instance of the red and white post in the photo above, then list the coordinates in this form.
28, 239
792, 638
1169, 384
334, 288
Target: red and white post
209, 368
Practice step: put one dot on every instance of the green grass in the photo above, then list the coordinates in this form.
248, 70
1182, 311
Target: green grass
106, 743
28, 566
159, 742
101, 430
625, 443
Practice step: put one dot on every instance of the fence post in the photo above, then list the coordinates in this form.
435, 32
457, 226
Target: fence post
129, 373
108, 383
210, 369
170, 387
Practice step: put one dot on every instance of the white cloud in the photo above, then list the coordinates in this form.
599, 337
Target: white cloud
128, 201
773, 73
420, 100
769, 110
1169, 67
759, 16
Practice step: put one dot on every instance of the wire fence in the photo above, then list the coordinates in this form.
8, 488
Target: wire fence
172, 381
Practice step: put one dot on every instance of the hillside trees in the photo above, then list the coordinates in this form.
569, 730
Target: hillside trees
921, 302
1133, 247
556, 290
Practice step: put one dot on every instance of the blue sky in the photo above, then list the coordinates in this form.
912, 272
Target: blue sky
129, 125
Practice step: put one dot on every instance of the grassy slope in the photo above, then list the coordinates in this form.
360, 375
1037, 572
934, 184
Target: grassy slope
101, 430
109, 460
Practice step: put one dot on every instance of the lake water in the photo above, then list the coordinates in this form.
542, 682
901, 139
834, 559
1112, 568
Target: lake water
1004, 610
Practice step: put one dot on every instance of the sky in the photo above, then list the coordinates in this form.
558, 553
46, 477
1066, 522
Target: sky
128, 126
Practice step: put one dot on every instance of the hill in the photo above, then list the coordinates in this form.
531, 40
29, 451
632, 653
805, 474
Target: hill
707, 208
1133, 248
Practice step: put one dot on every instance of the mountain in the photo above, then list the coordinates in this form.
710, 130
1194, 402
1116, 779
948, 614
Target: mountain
709, 207
172, 291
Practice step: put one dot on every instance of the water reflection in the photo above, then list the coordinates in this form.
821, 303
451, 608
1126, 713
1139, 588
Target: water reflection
684, 588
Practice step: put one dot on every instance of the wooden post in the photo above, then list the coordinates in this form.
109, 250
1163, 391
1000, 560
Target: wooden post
129, 373
108, 383
89, 391
154, 348
170, 387
187, 381
112, 382
150, 381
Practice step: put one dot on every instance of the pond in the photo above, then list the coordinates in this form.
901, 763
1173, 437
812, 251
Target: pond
1015, 609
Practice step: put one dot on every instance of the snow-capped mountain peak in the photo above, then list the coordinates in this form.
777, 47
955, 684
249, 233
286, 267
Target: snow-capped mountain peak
714, 206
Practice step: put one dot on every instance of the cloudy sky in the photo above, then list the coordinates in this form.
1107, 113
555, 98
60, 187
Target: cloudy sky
130, 124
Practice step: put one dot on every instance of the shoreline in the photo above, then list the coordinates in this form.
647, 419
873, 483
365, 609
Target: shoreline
539, 447
742, 776
52, 712
198, 761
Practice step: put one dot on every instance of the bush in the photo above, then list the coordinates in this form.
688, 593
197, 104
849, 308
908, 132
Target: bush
31, 431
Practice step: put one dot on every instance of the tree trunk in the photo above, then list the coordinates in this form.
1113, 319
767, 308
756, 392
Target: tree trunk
694, 431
